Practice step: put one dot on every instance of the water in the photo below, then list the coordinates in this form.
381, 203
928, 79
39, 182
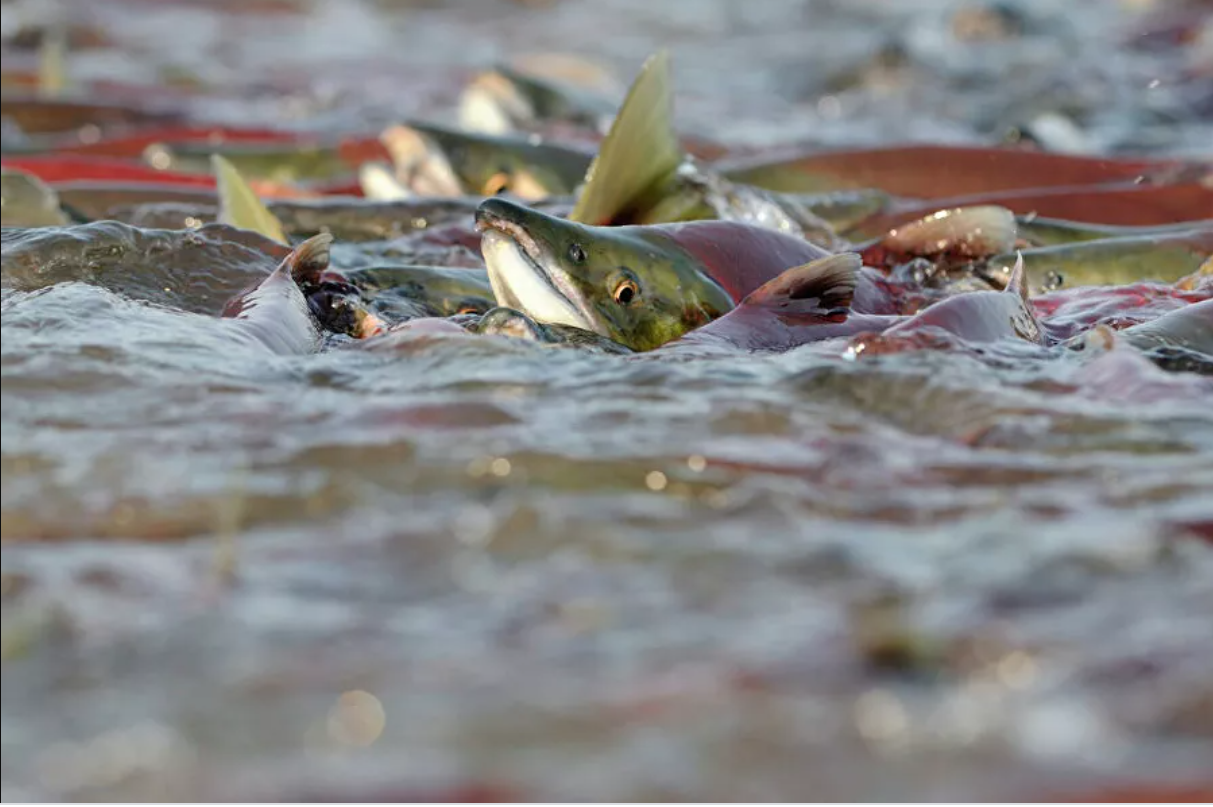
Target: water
475, 568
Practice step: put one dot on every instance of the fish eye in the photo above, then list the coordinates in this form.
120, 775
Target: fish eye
576, 253
626, 292
497, 183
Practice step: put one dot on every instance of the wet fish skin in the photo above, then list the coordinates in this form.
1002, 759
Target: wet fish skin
26, 201
501, 321
640, 285
488, 164
35, 114
1038, 231
938, 172
286, 163
1166, 258
276, 314
812, 303
628, 284
395, 291
512, 100
1189, 328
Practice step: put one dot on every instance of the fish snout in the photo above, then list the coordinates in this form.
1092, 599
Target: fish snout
502, 214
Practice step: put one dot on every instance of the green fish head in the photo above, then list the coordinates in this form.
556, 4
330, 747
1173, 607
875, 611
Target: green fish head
634, 287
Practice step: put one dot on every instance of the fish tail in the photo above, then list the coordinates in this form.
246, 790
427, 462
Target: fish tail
308, 260
1027, 326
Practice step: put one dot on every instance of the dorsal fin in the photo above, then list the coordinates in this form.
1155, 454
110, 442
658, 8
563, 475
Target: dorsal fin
825, 284
1018, 281
239, 205
52, 63
640, 149
308, 260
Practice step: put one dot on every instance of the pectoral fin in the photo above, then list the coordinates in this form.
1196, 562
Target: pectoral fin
826, 284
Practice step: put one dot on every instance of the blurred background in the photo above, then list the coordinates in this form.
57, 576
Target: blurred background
1088, 76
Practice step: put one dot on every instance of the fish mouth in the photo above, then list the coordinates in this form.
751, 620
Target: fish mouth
522, 279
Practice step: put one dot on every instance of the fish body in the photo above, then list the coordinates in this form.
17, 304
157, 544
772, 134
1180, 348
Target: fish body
1189, 328
432, 160
639, 285
26, 201
277, 162
812, 303
275, 314
1165, 257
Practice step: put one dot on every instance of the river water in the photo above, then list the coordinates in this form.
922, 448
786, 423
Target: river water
473, 568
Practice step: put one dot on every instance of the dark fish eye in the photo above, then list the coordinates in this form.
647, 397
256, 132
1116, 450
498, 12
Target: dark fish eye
576, 253
497, 184
626, 292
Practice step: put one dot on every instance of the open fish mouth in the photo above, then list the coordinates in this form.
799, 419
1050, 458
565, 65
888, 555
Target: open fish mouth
521, 280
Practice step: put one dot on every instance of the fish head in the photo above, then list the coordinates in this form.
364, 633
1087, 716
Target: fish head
432, 160
503, 321
635, 289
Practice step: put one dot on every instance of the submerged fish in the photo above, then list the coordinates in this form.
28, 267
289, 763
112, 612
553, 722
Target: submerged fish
642, 286
1166, 257
813, 302
35, 114
1038, 231
939, 172
396, 293
276, 162
504, 100
1189, 328
509, 322
805, 304
275, 314
433, 160
945, 237
26, 201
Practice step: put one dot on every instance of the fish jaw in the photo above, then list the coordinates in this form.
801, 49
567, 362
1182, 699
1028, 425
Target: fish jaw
521, 277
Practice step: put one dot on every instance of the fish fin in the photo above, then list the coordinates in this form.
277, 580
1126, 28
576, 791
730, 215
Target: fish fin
826, 284
378, 181
421, 165
239, 206
1026, 325
1018, 281
962, 232
309, 260
52, 63
639, 150
492, 103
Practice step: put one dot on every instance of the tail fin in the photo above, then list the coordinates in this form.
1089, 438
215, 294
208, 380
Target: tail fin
308, 260
239, 206
1026, 325
640, 149
1018, 281
824, 284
